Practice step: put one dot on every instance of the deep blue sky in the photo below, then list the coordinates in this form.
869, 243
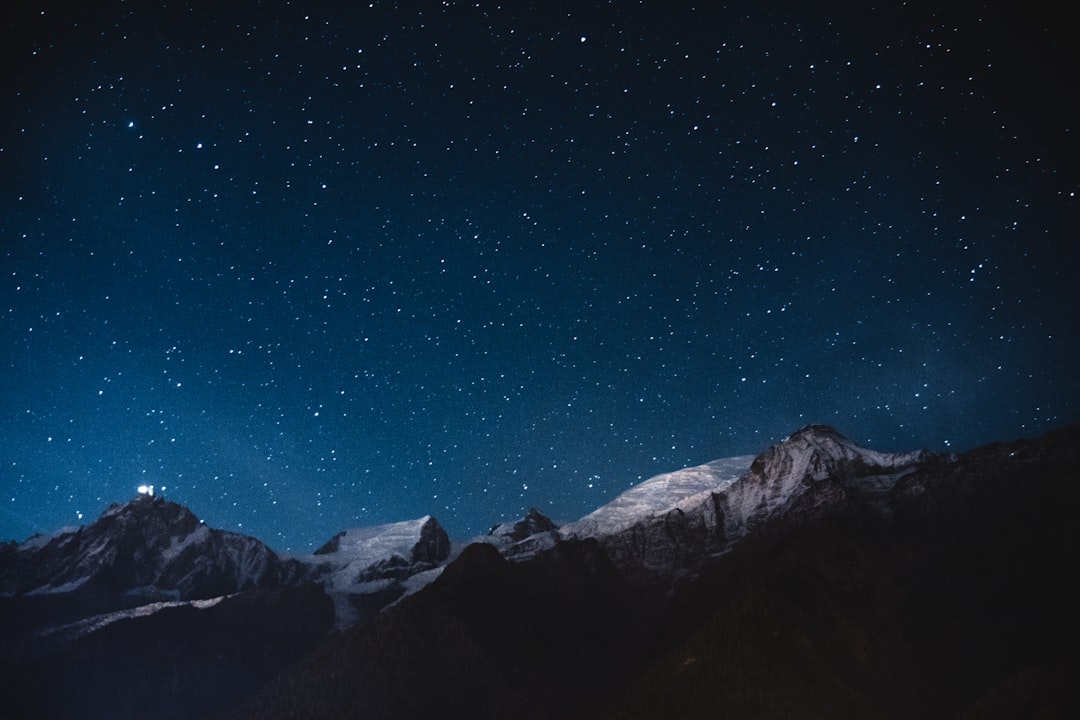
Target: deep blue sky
319, 265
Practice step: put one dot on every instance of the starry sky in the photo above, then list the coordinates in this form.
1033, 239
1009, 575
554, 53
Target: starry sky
317, 265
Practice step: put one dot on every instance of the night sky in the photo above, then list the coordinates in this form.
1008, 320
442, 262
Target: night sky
317, 265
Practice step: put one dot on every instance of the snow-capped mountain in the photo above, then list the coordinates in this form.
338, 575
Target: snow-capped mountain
677, 520
534, 522
148, 549
382, 551
687, 515
366, 568
151, 551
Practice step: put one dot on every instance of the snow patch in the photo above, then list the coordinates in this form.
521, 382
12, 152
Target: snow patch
420, 580
177, 545
41, 540
58, 589
81, 628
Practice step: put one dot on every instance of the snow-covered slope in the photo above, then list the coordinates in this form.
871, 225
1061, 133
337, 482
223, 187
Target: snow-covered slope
659, 495
81, 628
684, 516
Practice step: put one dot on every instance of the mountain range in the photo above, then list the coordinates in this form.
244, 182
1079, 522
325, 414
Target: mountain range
816, 579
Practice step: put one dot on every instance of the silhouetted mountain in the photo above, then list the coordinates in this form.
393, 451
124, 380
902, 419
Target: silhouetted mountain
956, 605
182, 660
488, 636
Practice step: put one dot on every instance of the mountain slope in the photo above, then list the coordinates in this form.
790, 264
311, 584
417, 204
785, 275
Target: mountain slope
789, 625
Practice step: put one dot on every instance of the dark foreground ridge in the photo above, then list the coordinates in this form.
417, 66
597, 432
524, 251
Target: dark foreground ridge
828, 581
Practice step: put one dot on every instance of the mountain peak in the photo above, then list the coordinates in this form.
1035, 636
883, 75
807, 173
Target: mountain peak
817, 451
154, 514
534, 522
821, 431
